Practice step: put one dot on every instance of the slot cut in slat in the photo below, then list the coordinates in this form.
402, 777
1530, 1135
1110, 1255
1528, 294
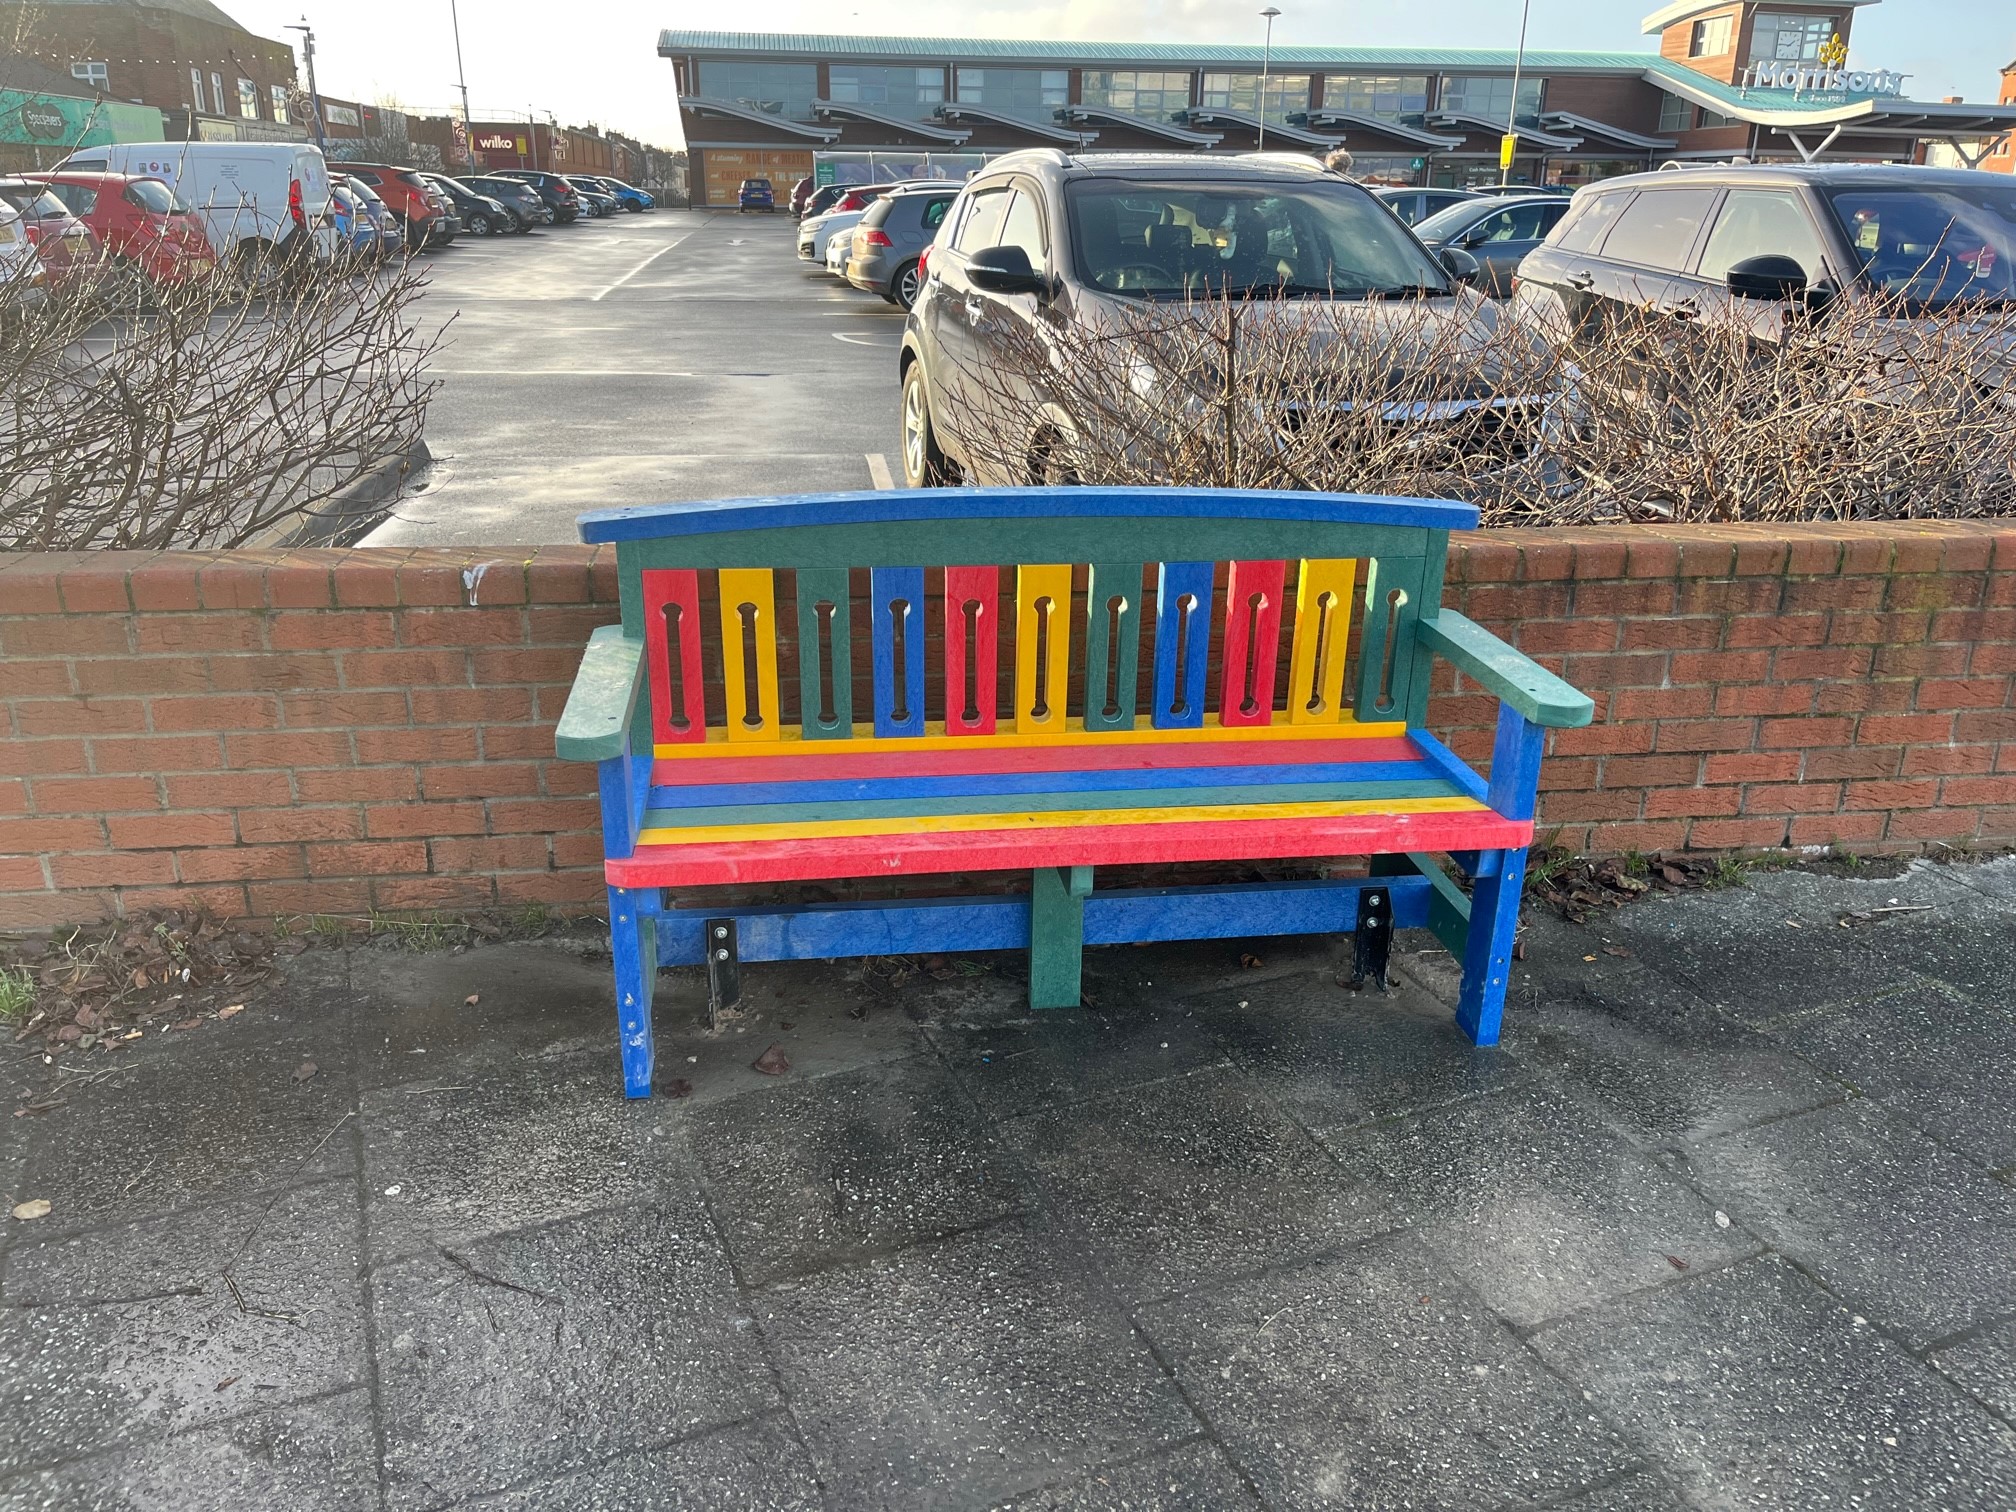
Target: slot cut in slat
672, 648
1322, 633
1042, 647
749, 652
1252, 642
1182, 643
825, 655
972, 612
896, 611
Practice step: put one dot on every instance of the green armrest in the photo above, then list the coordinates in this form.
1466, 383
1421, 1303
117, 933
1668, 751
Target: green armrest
596, 722
1512, 675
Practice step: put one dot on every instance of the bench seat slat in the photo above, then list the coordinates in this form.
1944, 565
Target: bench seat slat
1074, 734
983, 843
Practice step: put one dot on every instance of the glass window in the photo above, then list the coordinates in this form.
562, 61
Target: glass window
1675, 114
900, 91
1713, 118
982, 226
1035, 94
1756, 222
217, 94
279, 93
1160, 95
97, 75
1711, 37
155, 196
1390, 97
1658, 229
1024, 228
1589, 217
1490, 95
1286, 93
1934, 246
1322, 238
78, 198
1779, 38
934, 212
781, 89
248, 99
196, 87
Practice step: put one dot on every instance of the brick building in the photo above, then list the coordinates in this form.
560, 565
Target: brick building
1762, 78
209, 76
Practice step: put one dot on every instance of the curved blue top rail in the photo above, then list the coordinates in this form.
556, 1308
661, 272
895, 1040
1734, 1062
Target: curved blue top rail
783, 511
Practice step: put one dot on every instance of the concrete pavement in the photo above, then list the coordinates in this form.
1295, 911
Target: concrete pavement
640, 359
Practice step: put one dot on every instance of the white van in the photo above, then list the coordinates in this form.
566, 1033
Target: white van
254, 197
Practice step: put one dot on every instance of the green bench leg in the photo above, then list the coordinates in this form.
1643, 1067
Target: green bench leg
1057, 935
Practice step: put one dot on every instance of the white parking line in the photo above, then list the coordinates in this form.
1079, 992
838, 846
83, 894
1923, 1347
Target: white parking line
878, 471
862, 338
593, 298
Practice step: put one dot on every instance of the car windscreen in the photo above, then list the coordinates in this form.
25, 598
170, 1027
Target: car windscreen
1174, 240
1935, 245
156, 197
1447, 222
32, 199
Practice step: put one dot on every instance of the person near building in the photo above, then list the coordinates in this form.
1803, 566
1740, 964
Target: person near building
1339, 161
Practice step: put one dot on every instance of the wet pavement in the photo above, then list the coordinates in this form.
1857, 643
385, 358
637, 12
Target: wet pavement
1727, 1222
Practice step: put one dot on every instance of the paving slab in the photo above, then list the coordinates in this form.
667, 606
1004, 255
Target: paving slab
1335, 1059
509, 1145
177, 1322
816, 1173
521, 1357
1192, 1180
1943, 1062
757, 1466
1921, 1240
1666, 1067
1535, 1174
1021, 1062
1182, 968
315, 1456
1754, 1389
1378, 1379
1983, 1364
1194, 1478
962, 1371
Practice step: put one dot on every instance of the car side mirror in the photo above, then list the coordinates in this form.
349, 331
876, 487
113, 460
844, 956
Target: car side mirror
1768, 276
1459, 265
1005, 270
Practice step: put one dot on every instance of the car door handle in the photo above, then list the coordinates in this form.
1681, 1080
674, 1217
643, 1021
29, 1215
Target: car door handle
1581, 280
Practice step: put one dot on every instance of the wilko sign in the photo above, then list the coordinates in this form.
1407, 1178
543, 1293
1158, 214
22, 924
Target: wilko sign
496, 141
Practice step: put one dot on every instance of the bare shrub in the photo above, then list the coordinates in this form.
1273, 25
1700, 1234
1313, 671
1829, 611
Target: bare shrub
201, 414
1859, 413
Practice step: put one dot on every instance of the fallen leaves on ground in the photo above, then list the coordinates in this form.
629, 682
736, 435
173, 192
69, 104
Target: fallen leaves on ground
1576, 888
306, 1071
35, 1208
772, 1062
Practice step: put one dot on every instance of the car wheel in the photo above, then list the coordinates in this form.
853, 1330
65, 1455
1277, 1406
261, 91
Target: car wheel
259, 266
903, 288
924, 465
479, 225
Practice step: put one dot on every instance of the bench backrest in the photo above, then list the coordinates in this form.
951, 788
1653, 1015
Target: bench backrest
989, 612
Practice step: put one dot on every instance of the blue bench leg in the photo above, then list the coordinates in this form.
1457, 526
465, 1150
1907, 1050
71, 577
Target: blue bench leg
633, 933
1487, 954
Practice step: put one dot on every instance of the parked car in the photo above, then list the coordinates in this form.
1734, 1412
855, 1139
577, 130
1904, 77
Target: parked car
138, 222
598, 202
1497, 230
822, 199
356, 231
892, 234
260, 202
1041, 245
559, 196
479, 213
842, 216
416, 205
517, 196
755, 194
391, 235
1774, 246
629, 196
24, 281
1415, 205
63, 242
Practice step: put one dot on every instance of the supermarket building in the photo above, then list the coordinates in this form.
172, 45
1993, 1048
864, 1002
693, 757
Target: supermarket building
1766, 81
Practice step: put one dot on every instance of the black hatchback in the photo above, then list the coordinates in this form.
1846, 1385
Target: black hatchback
554, 191
1763, 244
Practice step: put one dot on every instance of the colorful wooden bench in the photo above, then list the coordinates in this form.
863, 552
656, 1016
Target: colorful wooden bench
738, 742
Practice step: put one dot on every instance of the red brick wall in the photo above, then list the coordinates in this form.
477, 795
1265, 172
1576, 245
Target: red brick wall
338, 731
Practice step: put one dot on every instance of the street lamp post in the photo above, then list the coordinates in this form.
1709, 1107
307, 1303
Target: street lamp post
1512, 111
462, 81
314, 94
1266, 61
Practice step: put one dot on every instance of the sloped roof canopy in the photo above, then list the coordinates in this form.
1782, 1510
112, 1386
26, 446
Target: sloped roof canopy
735, 110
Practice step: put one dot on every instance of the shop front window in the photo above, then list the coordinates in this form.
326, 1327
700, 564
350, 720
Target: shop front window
1490, 96
1776, 37
1034, 94
1675, 114
1286, 94
1156, 95
1402, 98
900, 91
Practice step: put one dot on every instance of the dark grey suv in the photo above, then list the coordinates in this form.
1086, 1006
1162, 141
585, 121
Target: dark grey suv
892, 233
1764, 244
1041, 244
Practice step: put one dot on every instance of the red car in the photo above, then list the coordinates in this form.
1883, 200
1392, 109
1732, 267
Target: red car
415, 204
138, 221
64, 243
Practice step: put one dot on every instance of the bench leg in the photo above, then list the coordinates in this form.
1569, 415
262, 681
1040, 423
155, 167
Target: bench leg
1487, 955
1057, 935
633, 934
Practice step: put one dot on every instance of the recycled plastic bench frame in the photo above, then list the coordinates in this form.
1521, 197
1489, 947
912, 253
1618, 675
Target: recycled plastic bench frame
1217, 748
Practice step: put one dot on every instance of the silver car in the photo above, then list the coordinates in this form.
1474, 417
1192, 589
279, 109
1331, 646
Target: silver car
892, 234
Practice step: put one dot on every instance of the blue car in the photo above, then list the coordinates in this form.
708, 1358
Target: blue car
755, 194
629, 196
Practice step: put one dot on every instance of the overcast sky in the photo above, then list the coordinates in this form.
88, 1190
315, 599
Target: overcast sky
596, 60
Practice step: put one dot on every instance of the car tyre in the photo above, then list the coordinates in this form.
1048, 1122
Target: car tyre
903, 287
479, 225
924, 465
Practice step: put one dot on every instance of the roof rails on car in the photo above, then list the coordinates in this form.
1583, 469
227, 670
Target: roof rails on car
1728, 162
1055, 156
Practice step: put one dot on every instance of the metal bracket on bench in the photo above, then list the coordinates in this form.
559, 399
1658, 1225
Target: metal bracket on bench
724, 970
1373, 942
